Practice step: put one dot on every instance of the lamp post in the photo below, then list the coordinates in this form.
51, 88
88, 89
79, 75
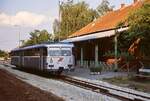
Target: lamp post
59, 18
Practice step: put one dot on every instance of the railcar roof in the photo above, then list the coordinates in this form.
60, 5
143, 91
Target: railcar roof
60, 44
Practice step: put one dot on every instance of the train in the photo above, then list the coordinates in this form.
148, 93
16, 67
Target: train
53, 57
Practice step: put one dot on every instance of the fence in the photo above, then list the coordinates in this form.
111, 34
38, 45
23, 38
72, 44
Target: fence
99, 64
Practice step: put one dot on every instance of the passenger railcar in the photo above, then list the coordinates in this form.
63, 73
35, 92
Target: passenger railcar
44, 57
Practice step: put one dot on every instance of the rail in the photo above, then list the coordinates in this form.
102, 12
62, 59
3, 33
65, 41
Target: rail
104, 89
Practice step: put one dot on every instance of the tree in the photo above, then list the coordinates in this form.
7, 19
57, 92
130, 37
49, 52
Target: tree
139, 30
44, 36
124, 40
73, 18
136, 39
38, 37
104, 7
34, 36
3, 53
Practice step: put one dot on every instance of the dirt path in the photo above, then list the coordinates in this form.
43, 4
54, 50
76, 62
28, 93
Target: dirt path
13, 89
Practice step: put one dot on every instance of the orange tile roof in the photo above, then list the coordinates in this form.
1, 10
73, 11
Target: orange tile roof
108, 21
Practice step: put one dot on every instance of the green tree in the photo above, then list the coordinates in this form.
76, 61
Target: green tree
44, 36
73, 17
34, 36
137, 39
3, 53
139, 22
124, 40
38, 37
104, 7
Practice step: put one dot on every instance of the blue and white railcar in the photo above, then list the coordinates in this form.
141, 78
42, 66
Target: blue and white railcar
44, 57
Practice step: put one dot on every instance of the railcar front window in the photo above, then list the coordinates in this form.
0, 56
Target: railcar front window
59, 53
65, 52
54, 53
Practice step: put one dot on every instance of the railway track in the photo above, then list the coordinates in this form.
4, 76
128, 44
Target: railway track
104, 89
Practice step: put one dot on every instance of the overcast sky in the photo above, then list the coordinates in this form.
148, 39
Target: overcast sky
23, 16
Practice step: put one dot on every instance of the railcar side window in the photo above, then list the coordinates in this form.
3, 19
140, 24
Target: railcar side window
36, 52
28, 52
25, 53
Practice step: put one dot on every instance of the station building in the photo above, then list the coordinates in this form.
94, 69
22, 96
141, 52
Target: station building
94, 40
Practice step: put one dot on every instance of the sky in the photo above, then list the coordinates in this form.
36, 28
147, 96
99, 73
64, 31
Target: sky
23, 16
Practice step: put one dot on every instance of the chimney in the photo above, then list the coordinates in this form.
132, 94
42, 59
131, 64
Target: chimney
122, 5
135, 1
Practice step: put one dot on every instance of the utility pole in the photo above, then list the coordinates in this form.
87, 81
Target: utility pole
59, 19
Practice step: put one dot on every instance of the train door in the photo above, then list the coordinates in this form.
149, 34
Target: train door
43, 55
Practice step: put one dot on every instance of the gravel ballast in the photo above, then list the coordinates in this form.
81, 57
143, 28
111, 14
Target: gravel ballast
61, 89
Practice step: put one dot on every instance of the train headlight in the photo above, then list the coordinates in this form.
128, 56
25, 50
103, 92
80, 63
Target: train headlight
51, 66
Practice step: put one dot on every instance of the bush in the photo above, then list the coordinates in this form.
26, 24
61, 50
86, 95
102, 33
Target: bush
96, 69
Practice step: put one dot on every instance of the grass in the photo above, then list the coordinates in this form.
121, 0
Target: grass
130, 82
